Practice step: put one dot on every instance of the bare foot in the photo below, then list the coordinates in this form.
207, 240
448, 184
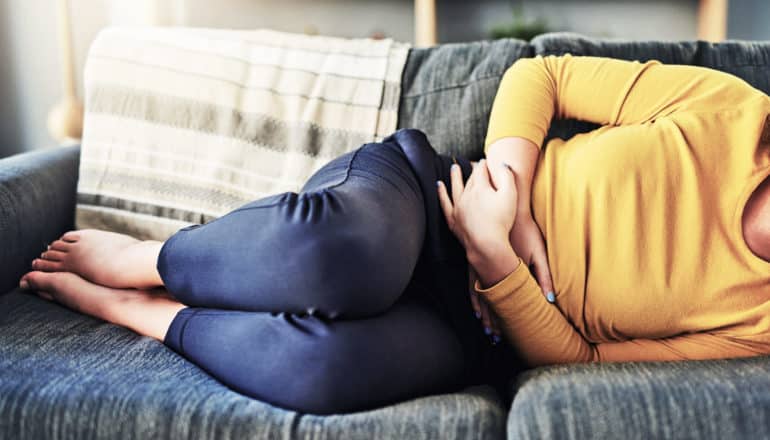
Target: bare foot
148, 313
106, 258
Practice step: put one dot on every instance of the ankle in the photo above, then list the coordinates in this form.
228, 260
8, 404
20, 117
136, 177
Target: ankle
144, 312
114, 309
153, 252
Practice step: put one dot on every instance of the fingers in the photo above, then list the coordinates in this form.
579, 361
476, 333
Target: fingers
482, 170
485, 317
479, 175
496, 331
456, 177
484, 312
543, 274
446, 204
503, 177
490, 324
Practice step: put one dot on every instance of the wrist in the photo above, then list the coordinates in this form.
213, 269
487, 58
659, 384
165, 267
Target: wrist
492, 262
523, 215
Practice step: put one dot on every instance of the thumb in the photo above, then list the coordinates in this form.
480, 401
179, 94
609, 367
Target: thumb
503, 176
543, 274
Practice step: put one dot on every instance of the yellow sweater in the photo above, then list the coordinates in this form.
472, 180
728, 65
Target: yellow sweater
642, 216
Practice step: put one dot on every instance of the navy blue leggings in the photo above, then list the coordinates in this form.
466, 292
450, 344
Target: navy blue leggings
349, 295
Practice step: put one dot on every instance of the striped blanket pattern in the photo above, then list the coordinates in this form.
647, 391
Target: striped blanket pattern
183, 125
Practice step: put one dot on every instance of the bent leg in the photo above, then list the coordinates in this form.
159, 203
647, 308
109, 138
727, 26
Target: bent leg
345, 246
309, 364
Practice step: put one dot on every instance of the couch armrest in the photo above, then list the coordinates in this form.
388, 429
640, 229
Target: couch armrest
37, 204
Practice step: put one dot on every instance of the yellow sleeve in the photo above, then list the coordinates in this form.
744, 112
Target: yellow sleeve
536, 328
605, 91
692, 346
542, 335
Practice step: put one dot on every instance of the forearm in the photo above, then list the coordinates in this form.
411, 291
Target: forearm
492, 262
521, 154
537, 329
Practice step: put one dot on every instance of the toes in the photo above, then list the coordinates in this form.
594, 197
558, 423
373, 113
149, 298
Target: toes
71, 236
37, 283
52, 255
23, 283
36, 280
46, 266
60, 245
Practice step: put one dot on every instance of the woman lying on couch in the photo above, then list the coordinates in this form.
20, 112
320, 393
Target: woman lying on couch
645, 239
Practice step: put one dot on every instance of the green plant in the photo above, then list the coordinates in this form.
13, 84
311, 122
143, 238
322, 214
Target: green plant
520, 27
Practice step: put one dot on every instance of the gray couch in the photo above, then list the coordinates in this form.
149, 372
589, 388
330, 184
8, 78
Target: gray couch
68, 376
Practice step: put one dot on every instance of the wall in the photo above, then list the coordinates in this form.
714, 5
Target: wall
749, 20
28, 83
29, 79
10, 125
632, 19
344, 18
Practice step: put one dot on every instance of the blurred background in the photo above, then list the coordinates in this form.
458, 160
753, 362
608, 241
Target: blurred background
32, 51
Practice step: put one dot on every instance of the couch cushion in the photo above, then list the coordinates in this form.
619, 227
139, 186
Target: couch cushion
559, 43
722, 399
67, 375
447, 91
749, 60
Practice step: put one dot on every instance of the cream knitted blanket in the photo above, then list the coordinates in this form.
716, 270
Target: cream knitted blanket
183, 125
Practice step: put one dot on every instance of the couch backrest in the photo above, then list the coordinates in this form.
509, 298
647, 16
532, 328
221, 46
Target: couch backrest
448, 90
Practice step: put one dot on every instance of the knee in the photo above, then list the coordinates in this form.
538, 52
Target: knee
365, 268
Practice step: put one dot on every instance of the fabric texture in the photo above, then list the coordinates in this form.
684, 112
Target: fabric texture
718, 399
37, 202
183, 125
64, 375
681, 148
448, 91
